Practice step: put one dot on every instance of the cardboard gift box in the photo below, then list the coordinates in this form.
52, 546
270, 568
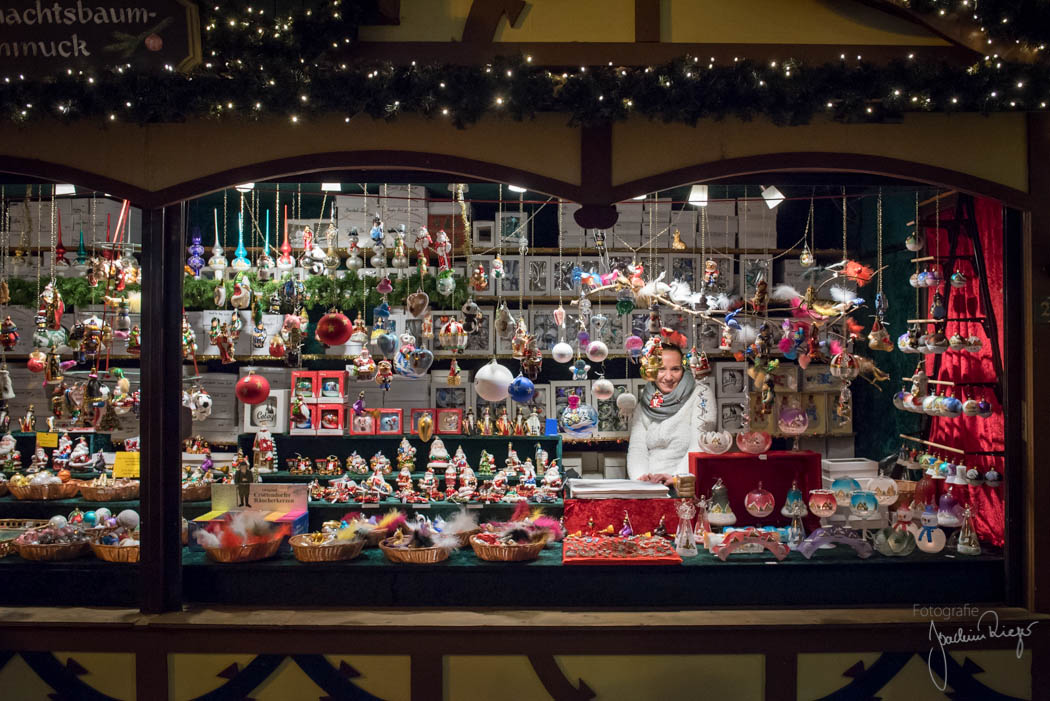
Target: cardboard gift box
331, 418
305, 384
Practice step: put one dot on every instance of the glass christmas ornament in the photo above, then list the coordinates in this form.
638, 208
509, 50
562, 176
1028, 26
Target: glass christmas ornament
446, 283
626, 403
719, 512
196, 260
562, 352
333, 329
793, 502
951, 407
897, 539
521, 389
843, 487
240, 259
452, 336
217, 262
715, 442
898, 400
602, 389
492, 382
792, 421
937, 309
633, 345
805, 259
252, 388
685, 539
863, 504
579, 419
956, 342
597, 351
844, 366
915, 241
913, 280
928, 537
754, 442
984, 408
974, 344
934, 278
884, 488
958, 279
992, 478
949, 512
759, 502
965, 541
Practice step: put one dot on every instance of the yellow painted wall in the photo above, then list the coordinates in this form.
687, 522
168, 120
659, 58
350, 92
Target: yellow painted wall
643, 148
718, 21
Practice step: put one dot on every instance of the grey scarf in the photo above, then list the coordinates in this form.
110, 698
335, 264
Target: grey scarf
672, 402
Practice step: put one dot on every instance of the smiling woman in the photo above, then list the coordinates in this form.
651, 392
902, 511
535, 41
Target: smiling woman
673, 409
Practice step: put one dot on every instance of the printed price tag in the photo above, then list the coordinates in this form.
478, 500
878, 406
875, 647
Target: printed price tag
47, 440
126, 464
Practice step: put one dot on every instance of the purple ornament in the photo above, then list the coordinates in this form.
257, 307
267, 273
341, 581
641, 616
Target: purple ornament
196, 260
584, 338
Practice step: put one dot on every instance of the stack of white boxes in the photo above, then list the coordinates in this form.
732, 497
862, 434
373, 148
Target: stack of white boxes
627, 232
572, 234
757, 224
722, 225
862, 470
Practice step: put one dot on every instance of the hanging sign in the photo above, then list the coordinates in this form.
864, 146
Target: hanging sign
48, 37
126, 464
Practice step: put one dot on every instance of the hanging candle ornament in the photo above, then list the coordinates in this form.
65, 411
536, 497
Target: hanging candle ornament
793, 503
252, 388
333, 329
928, 537
521, 389
562, 352
719, 511
195, 262
754, 442
822, 502
597, 351
579, 419
759, 502
626, 403
602, 389
805, 259
492, 382
915, 241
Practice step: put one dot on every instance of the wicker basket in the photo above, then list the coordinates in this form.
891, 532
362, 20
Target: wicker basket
40, 492
465, 536
116, 553
376, 536
244, 553
332, 552
905, 493
8, 546
196, 492
124, 492
413, 556
505, 552
53, 552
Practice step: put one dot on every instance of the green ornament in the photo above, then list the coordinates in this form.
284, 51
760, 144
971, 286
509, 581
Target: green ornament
624, 306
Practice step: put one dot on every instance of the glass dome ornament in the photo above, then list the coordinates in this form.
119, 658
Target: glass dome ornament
928, 537
602, 389
685, 539
949, 512
843, 487
715, 442
805, 259
897, 540
885, 489
759, 502
844, 365
579, 419
964, 541
754, 442
452, 335
719, 511
793, 502
863, 504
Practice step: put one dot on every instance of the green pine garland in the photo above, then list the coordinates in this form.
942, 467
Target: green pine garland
75, 291
1011, 21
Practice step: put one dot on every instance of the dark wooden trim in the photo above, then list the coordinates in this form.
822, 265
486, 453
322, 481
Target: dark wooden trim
781, 678
385, 12
1036, 254
484, 17
647, 20
639, 54
161, 495
1013, 402
56, 172
151, 672
427, 676
823, 162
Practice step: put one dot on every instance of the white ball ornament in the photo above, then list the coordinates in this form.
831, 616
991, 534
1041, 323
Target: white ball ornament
57, 522
597, 351
492, 382
602, 389
626, 403
562, 352
129, 519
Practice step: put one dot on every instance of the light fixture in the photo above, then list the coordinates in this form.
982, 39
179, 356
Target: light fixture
639, 198
244, 187
772, 196
331, 187
65, 189
698, 195
515, 188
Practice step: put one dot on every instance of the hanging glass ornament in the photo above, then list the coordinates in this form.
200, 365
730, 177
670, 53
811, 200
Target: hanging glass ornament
240, 256
633, 345
759, 502
562, 352
937, 309
915, 241
844, 365
597, 351
195, 262
446, 283
492, 382
217, 262
793, 503
602, 389
416, 303
451, 334
354, 261
579, 419
521, 389
626, 403
958, 279
624, 302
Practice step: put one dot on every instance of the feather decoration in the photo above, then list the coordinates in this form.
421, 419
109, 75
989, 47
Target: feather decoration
449, 541
206, 539
747, 334
836, 347
785, 344
785, 292
859, 272
843, 295
549, 523
855, 330
392, 520
461, 522
521, 511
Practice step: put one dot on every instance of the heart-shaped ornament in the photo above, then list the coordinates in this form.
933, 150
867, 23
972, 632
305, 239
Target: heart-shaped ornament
416, 303
387, 344
421, 360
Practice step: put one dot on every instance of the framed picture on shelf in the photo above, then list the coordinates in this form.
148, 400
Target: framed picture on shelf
540, 402
785, 378
444, 397
839, 423
271, 413
610, 423
818, 378
483, 233
707, 335
606, 325
415, 327
481, 340
511, 227
731, 412
560, 391
730, 379
726, 273
684, 269
561, 274
815, 405
537, 275
512, 281
363, 424
416, 414
547, 333
449, 422
391, 422
759, 421
752, 268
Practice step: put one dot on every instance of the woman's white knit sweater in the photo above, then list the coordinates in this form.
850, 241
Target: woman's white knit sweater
664, 446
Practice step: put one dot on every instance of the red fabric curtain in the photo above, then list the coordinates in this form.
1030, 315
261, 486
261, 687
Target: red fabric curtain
973, 433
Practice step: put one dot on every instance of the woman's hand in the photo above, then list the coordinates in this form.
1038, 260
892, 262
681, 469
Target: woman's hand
659, 477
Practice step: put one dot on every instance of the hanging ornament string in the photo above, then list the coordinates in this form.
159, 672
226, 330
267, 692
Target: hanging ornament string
878, 242
54, 238
499, 243
461, 203
39, 219
844, 256
918, 234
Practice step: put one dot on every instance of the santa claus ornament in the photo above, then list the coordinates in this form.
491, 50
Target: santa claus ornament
252, 388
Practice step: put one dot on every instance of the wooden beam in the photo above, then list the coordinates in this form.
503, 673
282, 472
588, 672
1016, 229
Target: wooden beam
485, 16
647, 20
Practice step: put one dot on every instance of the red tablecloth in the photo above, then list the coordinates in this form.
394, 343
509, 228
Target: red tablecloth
741, 472
645, 514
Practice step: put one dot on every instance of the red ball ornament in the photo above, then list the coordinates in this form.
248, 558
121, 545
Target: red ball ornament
333, 329
154, 42
277, 347
37, 361
252, 389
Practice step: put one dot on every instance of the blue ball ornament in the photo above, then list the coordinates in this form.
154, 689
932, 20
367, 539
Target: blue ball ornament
521, 389
89, 518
